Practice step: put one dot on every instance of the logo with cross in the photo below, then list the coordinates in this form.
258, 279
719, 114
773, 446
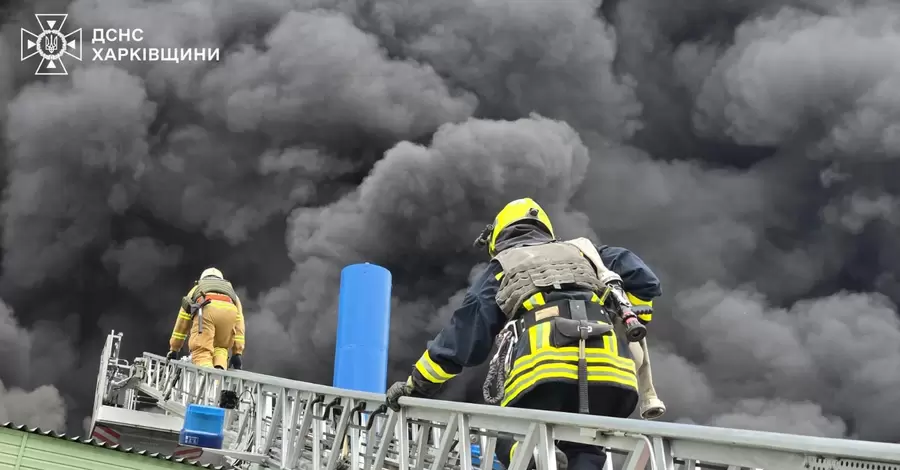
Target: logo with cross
51, 44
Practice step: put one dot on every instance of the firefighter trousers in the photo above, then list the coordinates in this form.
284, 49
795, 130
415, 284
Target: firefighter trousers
556, 396
210, 345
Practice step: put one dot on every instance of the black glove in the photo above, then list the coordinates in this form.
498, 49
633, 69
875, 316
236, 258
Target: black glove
235, 363
172, 355
398, 390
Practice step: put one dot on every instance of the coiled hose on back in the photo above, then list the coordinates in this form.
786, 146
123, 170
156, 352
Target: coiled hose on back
499, 367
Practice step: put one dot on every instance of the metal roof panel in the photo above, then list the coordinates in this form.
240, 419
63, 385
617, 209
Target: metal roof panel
113, 447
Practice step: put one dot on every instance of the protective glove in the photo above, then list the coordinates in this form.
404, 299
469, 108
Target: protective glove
236, 362
397, 391
172, 355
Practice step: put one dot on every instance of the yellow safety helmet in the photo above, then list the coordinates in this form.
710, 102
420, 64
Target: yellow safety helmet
517, 211
211, 272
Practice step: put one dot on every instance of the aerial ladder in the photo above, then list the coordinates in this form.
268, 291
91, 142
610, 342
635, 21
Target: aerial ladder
277, 423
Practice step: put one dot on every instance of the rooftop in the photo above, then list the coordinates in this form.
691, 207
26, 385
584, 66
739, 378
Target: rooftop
112, 447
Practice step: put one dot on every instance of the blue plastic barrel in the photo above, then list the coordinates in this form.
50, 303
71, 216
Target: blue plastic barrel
204, 426
363, 328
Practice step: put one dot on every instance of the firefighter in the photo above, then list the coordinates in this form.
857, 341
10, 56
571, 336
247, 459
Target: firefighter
537, 286
213, 313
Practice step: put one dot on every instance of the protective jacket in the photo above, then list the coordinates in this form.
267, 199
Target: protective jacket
524, 278
216, 290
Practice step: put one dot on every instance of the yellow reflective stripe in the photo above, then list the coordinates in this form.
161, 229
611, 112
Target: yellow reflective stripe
499, 276
595, 298
547, 362
423, 369
239, 318
605, 295
512, 450
185, 316
567, 371
608, 354
613, 343
532, 343
220, 352
535, 300
179, 335
239, 338
570, 371
638, 302
431, 370
642, 308
571, 355
542, 336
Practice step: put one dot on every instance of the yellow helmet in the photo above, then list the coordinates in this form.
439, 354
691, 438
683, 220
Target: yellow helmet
211, 272
516, 211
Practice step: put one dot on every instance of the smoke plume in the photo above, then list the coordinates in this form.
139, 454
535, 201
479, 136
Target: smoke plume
746, 150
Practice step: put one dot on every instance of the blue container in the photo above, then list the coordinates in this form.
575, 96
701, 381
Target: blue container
363, 328
204, 426
476, 458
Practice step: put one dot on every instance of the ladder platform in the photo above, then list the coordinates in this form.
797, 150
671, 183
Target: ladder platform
124, 417
289, 425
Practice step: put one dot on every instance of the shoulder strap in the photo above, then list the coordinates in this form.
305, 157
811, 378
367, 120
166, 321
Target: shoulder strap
605, 274
590, 252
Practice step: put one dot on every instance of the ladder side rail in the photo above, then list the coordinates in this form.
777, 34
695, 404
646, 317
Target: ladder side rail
661, 442
102, 385
639, 447
701, 443
257, 403
331, 392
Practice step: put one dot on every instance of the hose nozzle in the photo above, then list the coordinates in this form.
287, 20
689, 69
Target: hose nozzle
634, 329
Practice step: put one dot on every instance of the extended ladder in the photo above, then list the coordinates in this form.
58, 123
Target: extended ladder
279, 423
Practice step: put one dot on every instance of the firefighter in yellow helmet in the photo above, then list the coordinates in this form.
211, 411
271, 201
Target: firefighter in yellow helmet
212, 312
549, 303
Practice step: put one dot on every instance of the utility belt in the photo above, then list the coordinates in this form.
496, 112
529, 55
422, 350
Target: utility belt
212, 296
195, 307
573, 310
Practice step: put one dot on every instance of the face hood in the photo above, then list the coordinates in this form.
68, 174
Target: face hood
521, 234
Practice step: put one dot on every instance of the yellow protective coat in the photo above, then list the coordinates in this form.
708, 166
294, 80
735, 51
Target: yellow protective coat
223, 329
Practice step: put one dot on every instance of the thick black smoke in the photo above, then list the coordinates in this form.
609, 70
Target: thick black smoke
746, 150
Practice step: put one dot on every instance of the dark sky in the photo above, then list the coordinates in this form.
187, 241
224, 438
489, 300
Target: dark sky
747, 150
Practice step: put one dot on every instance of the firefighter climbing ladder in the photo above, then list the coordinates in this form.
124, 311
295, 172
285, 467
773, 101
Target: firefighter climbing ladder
279, 423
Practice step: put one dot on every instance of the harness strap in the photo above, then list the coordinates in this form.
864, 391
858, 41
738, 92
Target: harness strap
197, 309
577, 312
